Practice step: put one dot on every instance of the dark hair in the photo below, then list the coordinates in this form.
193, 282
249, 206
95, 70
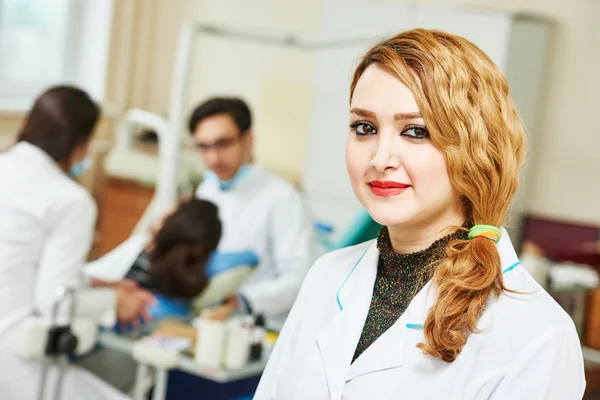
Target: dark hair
182, 248
62, 118
236, 108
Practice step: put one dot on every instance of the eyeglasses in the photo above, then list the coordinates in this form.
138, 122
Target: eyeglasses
219, 145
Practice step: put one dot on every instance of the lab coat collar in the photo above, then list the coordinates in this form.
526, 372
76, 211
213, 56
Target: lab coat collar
367, 262
35, 156
243, 174
387, 351
337, 341
418, 310
508, 255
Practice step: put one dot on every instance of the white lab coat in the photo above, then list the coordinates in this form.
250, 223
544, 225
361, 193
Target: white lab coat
46, 232
114, 265
528, 350
263, 213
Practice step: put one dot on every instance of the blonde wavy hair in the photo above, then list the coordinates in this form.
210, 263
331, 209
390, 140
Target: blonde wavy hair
465, 102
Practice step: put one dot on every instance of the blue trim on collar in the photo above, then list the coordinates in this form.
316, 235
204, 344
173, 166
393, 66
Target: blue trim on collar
508, 269
337, 296
515, 265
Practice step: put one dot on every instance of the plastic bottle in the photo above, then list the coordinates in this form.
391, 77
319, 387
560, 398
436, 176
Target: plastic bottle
256, 347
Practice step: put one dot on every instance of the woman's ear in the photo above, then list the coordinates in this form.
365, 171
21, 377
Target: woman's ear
248, 143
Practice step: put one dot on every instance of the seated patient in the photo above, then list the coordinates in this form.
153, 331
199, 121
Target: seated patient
170, 260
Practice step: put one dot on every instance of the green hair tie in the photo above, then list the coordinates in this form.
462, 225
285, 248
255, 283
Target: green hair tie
486, 231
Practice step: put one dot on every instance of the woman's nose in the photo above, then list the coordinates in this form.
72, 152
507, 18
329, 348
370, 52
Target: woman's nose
385, 156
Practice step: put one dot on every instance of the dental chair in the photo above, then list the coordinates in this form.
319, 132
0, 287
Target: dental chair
361, 229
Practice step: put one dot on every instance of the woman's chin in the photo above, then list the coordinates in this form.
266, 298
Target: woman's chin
392, 216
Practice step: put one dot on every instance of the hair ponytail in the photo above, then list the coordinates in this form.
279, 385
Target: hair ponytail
465, 280
181, 271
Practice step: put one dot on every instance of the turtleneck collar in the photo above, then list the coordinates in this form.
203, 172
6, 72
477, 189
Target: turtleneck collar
412, 265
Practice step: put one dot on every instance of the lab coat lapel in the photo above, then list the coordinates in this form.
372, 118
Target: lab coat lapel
508, 255
234, 201
385, 353
337, 341
417, 312
388, 350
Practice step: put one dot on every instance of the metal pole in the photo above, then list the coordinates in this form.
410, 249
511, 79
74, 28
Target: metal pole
160, 389
140, 381
43, 379
61, 360
63, 364
179, 92
282, 40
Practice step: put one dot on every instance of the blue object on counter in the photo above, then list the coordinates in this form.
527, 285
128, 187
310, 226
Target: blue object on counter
165, 307
223, 261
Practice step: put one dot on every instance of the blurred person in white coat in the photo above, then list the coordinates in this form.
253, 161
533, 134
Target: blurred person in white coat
438, 306
47, 229
259, 210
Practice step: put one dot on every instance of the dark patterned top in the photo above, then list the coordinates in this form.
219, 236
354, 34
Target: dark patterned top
399, 278
140, 271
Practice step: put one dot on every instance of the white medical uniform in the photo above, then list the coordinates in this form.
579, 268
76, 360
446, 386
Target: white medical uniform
46, 231
263, 213
528, 350
115, 265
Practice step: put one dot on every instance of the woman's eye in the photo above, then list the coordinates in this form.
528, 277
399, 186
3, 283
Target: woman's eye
362, 128
416, 132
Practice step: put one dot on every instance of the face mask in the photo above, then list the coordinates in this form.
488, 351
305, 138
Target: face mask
80, 167
227, 185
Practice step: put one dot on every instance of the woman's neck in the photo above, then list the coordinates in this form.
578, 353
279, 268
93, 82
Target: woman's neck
406, 240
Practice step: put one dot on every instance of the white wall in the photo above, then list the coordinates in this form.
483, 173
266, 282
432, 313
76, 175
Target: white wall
565, 183
275, 81
89, 52
564, 180
566, 176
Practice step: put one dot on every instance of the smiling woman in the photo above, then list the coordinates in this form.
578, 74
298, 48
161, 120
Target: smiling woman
438, 305
389, 149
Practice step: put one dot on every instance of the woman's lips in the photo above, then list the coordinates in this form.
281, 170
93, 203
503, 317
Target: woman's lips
387, 188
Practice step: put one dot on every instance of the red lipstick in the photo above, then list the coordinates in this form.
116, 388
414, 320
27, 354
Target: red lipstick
387, 188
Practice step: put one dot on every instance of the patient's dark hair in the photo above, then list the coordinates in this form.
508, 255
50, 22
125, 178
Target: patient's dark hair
182, 248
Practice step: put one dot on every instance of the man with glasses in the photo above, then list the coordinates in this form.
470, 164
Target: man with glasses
259, 210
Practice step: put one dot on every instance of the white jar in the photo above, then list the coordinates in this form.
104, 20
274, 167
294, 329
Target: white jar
210, 342
237, 346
